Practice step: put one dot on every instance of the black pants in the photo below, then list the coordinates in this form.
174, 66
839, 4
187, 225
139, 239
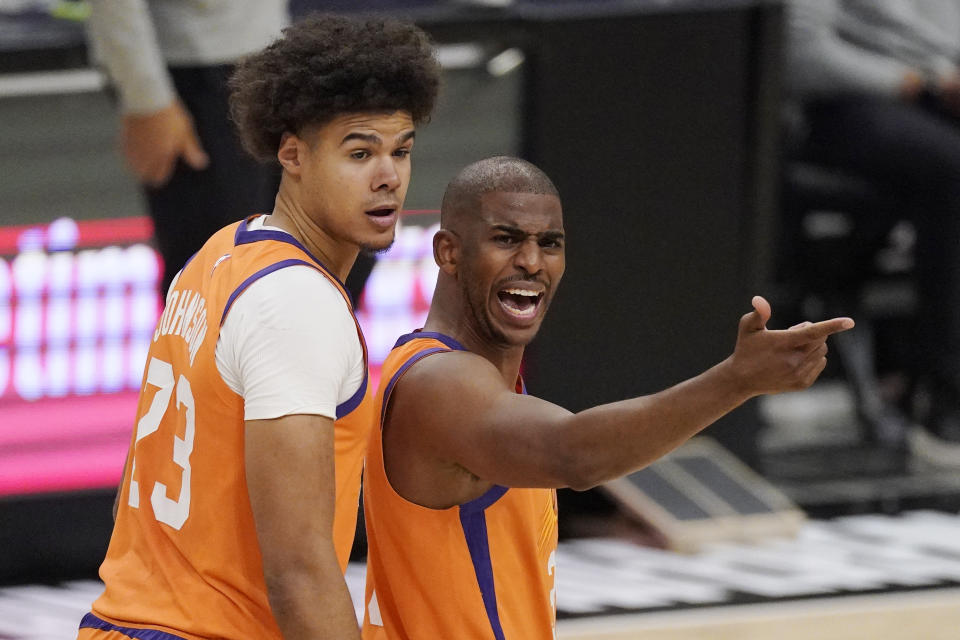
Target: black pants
194, 204
913, 153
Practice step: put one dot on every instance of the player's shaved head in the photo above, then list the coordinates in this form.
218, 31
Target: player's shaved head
506, 174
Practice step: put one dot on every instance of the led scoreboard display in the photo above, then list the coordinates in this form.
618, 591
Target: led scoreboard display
397, 295
78, 305
78, 301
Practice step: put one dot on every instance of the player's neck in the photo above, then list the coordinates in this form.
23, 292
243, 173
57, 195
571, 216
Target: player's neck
336, 256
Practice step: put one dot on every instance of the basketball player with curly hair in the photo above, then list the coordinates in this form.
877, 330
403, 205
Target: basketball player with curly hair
237, 508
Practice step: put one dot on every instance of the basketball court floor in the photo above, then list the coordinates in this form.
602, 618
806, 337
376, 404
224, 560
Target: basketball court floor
860, 577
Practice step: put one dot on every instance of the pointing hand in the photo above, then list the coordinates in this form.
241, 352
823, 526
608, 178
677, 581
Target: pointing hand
771, 361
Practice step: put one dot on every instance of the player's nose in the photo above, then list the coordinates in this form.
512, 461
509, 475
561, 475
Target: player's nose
387, 176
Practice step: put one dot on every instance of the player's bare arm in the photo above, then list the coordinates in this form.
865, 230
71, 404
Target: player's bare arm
290, 479
472, 430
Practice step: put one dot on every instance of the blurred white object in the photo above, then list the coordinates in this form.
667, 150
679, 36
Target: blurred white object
14, 85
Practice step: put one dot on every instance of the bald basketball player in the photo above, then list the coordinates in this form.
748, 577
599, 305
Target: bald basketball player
460, 478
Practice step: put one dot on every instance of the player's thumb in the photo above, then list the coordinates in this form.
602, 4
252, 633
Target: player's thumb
757, 319
193, 153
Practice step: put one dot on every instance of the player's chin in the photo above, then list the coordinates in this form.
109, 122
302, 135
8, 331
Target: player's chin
518, 336
377, 245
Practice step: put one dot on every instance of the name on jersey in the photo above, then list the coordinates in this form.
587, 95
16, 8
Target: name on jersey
186, 316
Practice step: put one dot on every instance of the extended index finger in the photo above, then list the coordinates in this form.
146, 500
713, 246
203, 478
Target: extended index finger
820, 330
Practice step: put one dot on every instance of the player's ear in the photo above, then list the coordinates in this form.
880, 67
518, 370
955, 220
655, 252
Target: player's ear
290, 151
446, 251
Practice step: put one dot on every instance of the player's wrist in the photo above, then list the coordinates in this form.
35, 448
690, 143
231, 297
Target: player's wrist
734, 380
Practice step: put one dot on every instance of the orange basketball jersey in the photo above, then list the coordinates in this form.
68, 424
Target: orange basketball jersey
483, 569
183, 560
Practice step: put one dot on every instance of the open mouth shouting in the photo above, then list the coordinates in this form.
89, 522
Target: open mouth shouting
521, 300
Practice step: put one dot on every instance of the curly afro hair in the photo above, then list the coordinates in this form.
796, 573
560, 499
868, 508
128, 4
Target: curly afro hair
327, 65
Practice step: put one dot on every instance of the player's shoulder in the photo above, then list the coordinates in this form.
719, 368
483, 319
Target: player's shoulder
296, 286
453, 373
302, 279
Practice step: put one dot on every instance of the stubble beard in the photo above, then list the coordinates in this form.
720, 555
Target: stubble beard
374, 250
477, 308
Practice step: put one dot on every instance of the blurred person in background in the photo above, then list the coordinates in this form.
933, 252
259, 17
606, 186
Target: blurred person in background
169, 61
878, 83
238, 505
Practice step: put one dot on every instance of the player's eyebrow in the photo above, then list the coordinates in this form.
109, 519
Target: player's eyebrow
508, 228
369, 138
374, 139
551, 234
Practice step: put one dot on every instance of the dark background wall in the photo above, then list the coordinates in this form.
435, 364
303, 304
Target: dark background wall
656, 122
659, 129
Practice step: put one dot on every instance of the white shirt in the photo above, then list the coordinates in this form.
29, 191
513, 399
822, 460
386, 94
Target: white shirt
135, 40
290, 346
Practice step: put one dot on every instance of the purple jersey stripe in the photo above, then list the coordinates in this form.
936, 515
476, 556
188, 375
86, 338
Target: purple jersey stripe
189, 260
91, 621
246, 236
417, 357
490, 496
276, 266
346, 407
445, 339
473, 519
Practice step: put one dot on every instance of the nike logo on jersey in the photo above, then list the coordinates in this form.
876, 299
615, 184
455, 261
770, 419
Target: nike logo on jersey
216, 264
